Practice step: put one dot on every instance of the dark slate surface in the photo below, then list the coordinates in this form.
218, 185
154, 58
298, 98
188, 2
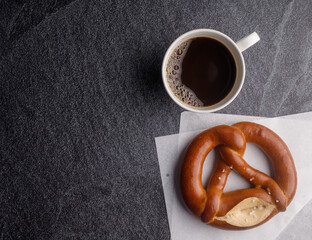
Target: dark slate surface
81, 100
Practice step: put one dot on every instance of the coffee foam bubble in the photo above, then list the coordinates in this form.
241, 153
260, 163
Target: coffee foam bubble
174, 71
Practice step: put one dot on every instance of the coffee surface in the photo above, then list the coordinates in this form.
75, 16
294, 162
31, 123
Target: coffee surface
201, 72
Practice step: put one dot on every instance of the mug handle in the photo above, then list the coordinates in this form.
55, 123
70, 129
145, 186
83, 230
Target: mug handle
247, 41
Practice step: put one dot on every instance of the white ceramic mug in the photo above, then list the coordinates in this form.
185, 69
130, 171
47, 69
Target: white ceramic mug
235, 49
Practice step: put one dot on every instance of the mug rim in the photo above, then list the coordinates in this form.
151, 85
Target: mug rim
238, 58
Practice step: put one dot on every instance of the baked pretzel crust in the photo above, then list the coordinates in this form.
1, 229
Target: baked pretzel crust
211, 204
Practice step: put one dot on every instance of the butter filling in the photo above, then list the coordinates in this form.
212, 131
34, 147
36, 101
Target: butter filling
249, 212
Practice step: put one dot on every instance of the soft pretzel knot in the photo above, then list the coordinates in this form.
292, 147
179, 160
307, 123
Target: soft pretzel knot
244, 208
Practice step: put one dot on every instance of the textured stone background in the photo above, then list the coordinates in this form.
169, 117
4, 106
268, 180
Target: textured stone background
81, 100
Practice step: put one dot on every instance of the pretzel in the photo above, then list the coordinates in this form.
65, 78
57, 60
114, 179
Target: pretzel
244, 208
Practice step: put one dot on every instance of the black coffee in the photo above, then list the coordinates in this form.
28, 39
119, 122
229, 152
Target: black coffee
201, 71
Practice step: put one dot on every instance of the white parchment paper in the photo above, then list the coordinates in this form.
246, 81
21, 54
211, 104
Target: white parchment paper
190, 121
183, 225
